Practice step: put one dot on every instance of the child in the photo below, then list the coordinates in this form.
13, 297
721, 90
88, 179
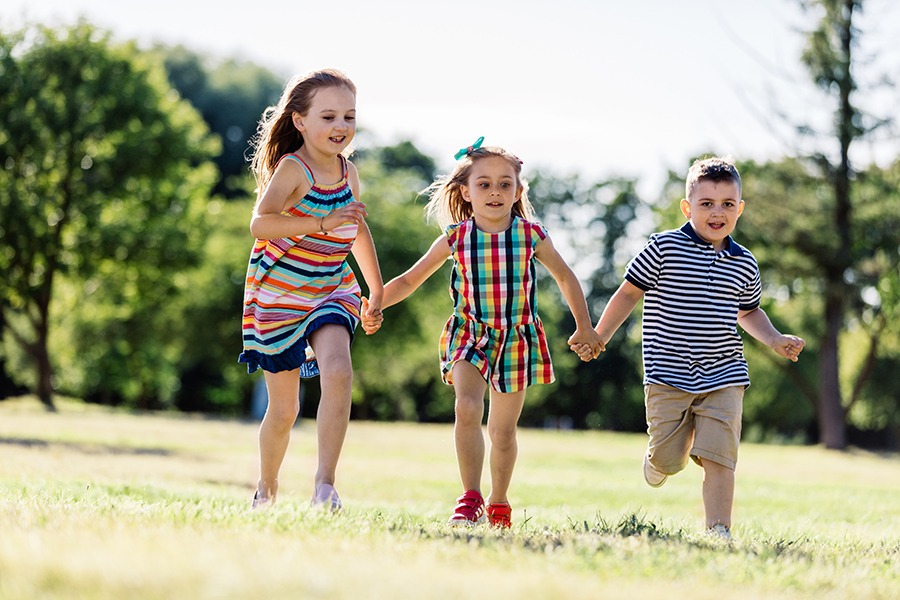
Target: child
698, 284
302, 301
494, 336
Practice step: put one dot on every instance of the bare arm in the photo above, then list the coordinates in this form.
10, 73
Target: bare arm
618, 309
287, 186
403, 285
756, 322
568, 284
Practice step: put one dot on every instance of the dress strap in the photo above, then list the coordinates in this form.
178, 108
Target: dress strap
344, 167
309, 173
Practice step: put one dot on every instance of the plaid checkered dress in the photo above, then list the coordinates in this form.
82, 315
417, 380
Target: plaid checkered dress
495, 325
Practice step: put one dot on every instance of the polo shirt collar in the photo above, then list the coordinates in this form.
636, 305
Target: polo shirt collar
732, 247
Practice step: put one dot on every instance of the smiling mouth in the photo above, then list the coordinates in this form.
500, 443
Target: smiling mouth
338, 139
716, 225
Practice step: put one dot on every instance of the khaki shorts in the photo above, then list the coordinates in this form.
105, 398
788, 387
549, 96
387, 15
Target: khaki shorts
684, 424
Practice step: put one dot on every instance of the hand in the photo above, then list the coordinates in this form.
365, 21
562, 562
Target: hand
583, 351
354, 212
371, 316
586, 344
788, 346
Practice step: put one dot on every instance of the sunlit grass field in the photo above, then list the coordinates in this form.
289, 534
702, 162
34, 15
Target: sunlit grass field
97, 503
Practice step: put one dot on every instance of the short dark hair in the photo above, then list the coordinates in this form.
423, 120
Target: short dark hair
715, 169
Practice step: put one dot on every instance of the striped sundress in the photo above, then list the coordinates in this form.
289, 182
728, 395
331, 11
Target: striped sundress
295, 285
495, 325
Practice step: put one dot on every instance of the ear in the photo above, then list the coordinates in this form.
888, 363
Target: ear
686, 208
297, 118
464, 189
519, 191
740, 208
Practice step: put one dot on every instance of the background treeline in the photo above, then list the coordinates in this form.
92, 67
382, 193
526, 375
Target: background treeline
125, 199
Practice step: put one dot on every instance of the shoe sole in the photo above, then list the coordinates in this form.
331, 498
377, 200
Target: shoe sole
465, 522
648, 466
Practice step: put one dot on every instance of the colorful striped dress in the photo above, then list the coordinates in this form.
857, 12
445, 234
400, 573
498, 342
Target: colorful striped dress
495, 325
297, 284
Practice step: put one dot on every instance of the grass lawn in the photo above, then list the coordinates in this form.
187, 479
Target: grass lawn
98, 503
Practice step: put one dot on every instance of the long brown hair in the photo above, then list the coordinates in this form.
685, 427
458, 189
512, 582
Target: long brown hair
276, 134
447, 205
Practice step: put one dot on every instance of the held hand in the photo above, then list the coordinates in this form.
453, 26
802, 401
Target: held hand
371, 317
583, 351
589, 339
354, 212
788, 346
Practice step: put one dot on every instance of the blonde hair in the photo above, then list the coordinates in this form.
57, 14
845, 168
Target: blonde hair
276, 134
447, 205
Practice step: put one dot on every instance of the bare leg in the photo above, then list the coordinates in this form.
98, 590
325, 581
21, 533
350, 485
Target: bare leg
718, 493
331, 343
469, 386
275, 429
502, 420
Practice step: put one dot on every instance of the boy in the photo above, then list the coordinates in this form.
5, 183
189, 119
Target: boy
697, 284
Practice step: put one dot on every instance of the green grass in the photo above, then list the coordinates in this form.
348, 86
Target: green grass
96, 503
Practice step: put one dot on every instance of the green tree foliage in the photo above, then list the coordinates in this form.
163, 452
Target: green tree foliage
592, 221
396, 371
231, 95
103, 173
789, 224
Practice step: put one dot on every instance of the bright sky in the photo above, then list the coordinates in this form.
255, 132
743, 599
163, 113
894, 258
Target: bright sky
596, 87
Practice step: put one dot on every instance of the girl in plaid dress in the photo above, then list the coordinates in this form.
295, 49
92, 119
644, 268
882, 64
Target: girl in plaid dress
494, 337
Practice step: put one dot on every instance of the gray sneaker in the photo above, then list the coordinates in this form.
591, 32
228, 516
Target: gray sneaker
652, 476
720, 532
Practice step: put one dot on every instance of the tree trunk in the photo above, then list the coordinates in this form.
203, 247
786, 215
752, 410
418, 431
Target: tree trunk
44, 373
832, 427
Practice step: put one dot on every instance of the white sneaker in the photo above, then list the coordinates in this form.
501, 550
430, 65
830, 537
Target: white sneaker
719, 531
652, 476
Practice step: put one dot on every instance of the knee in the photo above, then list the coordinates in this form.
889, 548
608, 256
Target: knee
469, 409
502, 436
337, 372
282, 414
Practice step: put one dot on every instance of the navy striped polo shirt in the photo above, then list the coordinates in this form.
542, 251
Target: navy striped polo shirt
691, 301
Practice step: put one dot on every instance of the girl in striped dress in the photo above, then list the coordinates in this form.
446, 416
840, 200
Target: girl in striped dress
494, 337
301, 300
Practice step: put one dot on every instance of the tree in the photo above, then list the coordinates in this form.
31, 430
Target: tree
102, 165
231, 96
593, 221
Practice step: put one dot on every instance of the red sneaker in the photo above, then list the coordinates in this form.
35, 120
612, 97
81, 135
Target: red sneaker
499, 515
469, 510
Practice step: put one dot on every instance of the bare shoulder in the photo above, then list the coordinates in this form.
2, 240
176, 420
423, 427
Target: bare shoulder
353, 179
288, 185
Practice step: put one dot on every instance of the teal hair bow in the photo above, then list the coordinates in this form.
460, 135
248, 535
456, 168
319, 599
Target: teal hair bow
463, 151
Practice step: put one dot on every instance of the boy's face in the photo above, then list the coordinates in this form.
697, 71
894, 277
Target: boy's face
713, 210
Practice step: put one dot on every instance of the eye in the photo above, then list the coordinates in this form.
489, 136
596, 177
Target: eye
484, 185
504, 185
328, 118
349, 118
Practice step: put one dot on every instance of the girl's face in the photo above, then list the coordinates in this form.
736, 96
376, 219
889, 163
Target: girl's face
329, 126
492, 189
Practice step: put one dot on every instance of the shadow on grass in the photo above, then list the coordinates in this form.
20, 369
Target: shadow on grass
633, 532
85, 448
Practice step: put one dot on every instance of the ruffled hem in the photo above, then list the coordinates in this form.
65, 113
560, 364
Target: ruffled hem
295, 356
